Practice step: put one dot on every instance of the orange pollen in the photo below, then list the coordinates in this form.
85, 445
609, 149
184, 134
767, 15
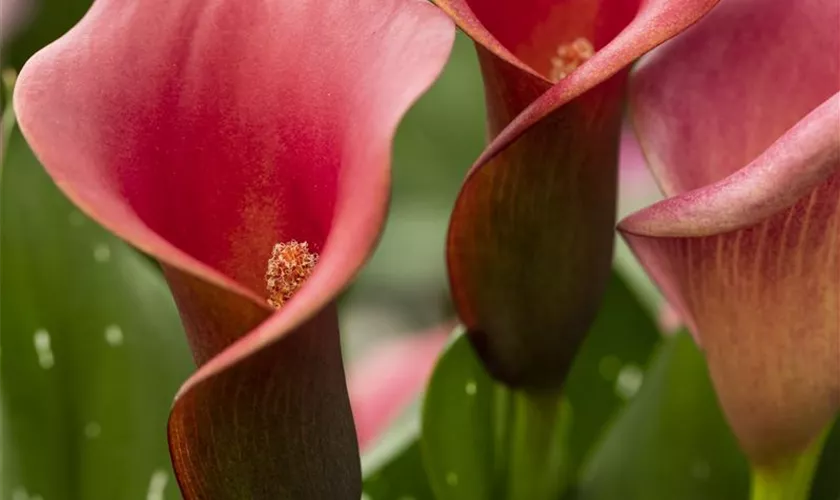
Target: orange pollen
291, 263
569, 57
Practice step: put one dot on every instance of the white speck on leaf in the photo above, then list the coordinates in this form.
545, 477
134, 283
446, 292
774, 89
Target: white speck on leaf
452, 479
157, 484
471, 388
43, 348
629, 381
102, 253
113, 335
93, 430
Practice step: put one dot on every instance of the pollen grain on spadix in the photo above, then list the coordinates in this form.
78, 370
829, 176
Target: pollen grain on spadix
291, 263
569, 56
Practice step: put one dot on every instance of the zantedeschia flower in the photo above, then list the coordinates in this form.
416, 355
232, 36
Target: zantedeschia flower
531, 236
206, 133
740, 119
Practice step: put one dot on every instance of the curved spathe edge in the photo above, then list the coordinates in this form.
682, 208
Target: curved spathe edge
656, 22
465, 18
795, 164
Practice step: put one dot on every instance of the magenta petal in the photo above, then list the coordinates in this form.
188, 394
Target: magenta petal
752, 263
709, 102
203, 132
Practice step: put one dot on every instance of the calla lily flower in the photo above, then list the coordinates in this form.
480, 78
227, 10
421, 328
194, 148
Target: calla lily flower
217, 136
531, 236
740, 120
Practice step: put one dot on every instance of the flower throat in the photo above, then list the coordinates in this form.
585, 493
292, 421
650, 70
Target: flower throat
569, 56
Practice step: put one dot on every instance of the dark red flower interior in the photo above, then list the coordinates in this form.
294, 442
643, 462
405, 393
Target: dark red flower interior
219, 150
227, 152
223, 172
533, 29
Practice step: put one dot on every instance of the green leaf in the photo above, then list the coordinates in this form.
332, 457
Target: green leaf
92, 351
458, 432
672, 441
608, 366
826, 485
402, 478
481, 440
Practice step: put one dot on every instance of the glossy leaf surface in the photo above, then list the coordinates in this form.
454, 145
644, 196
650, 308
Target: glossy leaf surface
671, 441
93, 350
482, 440
826, 483
611, 361
458, 428
401, 478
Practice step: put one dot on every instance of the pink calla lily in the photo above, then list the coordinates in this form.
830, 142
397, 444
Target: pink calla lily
531, 236
204, 133
742, 131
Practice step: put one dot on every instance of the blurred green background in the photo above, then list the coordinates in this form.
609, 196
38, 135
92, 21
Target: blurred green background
91, 349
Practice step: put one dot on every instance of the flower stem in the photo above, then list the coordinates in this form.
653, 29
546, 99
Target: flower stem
537, 461
790, 480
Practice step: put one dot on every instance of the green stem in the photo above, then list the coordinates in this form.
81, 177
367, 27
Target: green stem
790, 480
503, 414
536, 462
7, 118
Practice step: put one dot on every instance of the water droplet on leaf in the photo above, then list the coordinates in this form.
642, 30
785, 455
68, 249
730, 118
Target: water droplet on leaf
629, 381
113, 335
43, 348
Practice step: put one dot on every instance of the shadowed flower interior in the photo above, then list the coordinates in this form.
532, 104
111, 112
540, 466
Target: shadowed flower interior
219, 168
569, 56
532, 30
